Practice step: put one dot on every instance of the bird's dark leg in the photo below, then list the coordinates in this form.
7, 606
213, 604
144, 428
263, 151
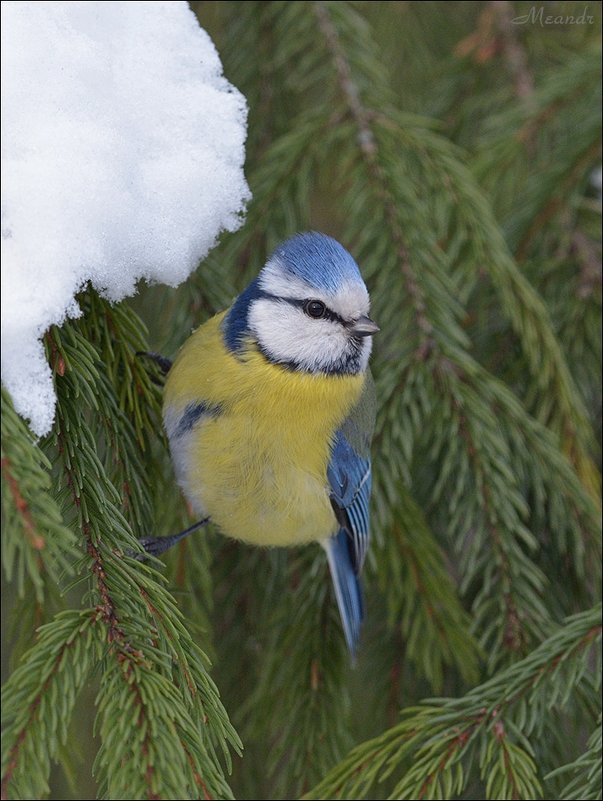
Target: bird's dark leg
155, 546
164, 364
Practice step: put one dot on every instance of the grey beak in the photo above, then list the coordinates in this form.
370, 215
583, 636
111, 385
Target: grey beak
364, 327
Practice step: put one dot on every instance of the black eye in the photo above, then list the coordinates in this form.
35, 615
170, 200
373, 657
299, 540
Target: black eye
315, 309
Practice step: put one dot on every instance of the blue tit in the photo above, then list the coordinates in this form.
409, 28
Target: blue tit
269, 408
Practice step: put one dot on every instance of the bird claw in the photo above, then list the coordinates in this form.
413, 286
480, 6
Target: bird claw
155, 546
162, 362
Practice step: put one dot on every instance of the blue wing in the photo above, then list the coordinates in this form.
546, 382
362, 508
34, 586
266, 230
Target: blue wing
349, 476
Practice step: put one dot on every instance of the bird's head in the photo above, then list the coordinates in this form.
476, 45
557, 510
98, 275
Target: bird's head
307, 309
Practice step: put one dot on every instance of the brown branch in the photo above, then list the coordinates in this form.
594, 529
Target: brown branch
498, 727
315, 675
459, 741
37, 541
513, 51
157, 617
362, 117
57, 362
196, 775
33, 710
472, 722
395, 675
126, 655
500, 734
590, 272
523, 80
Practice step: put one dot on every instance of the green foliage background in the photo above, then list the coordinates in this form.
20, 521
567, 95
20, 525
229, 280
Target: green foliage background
454, 152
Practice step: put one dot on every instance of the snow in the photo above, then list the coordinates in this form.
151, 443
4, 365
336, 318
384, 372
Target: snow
122, 151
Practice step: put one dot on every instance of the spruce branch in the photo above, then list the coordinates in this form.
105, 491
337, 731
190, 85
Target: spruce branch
426, 752
450, 361
367, 144
420, 594
302, 701
525, 310
556, 218
18, 501
505, 523
39, 697
36, 544
586, 769
152, 665
545, 206
428, 343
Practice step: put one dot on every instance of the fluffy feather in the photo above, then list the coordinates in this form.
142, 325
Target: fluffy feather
259, 466
270, 411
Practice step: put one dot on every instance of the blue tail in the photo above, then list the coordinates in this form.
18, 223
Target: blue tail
347, 586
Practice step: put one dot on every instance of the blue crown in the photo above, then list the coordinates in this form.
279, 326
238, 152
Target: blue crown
319, 260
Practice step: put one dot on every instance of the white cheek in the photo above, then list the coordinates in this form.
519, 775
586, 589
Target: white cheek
289, 335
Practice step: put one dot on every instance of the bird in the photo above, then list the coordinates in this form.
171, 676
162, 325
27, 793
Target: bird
269, 409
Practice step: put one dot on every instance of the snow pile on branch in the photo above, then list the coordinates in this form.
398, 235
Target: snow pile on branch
123, 151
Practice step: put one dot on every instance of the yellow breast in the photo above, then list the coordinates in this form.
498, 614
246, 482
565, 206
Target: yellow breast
258, 466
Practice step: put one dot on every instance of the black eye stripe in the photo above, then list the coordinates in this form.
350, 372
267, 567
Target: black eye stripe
328, 314
333, 316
